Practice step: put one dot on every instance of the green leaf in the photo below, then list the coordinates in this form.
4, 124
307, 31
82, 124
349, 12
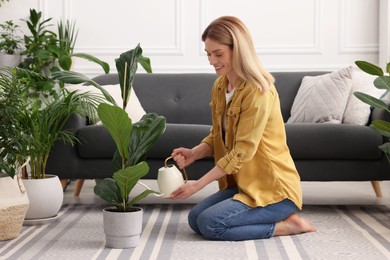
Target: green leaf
144, 194
388, 67
89, 57
118, 123
144, 135
385, 148
382, 127
145, 63
128, 177
65, 62
369, 68
72, 77
372, 101
108, 190
382, 82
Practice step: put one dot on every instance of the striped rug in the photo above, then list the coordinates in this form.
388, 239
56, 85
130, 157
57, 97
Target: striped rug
345, 232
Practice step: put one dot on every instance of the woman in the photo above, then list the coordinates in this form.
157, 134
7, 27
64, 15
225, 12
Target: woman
260, 190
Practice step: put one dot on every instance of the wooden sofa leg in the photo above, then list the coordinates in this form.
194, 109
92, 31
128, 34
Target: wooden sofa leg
377, 188
79, 185
64, 183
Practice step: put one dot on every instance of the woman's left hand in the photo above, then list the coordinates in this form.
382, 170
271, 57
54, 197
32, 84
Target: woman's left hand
185, 191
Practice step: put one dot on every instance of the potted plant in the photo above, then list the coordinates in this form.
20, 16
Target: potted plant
123, 221
47, 51
381, 82
10, 44
31, 131
13, 142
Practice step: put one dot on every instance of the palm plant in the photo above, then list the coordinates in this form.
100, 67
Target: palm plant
28, 129
47, 125
14, 112
381, 82
132, 140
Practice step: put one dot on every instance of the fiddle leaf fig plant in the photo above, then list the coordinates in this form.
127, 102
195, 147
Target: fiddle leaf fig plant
381, 82
133, 141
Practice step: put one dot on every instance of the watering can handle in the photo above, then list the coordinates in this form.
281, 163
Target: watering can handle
184, 169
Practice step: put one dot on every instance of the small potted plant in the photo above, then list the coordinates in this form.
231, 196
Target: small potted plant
10, 44
123, 221
381, 82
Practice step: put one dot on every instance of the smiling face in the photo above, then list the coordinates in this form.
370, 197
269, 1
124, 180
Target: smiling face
220, 57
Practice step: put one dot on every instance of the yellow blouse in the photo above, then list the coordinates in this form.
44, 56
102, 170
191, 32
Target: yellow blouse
254, 155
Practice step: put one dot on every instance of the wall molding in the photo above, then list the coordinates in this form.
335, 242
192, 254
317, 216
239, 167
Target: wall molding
175, 50
310, 48
346, 47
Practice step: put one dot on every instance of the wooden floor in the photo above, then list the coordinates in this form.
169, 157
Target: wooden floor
314, 193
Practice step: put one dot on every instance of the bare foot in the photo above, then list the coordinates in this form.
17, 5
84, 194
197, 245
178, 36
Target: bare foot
292, 225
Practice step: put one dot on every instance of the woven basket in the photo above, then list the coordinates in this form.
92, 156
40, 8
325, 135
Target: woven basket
13, 207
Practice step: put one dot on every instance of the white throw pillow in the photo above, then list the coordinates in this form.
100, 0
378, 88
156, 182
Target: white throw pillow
322, 99
134, 108
357, 112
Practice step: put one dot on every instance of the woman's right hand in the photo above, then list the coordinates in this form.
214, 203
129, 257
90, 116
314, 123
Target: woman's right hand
183, 157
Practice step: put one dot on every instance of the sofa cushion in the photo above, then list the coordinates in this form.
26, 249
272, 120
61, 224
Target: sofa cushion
356, 111
134, 108
322, 98
96, 141
333, 141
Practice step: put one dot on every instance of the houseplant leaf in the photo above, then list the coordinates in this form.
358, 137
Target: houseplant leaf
382, 127
144, 135
118, 124
372, 101
108, 190
369, 68
89, 57
72, 77
128, 177
382, 82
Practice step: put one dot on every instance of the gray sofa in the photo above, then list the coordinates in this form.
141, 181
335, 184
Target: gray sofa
321, 152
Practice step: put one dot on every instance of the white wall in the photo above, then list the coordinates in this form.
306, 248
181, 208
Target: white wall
288, 34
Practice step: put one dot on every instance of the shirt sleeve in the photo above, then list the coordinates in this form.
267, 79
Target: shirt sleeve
253, 113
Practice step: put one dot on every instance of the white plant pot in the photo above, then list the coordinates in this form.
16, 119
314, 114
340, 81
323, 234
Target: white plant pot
46, 197
122, 229
13, 207
10, 60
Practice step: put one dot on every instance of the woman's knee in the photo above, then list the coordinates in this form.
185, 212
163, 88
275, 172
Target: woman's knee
209, 228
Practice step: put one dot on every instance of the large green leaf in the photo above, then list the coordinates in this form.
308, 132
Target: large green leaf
72, 77
382, 127
144, 194
108, 190
144, 135
89, 57
369, 68
372, 101
118, 124
382, 82
128, 177
127, 66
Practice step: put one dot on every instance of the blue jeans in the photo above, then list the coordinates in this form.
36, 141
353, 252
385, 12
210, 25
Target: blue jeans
219, 217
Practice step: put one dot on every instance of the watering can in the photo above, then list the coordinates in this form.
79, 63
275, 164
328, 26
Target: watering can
169, 178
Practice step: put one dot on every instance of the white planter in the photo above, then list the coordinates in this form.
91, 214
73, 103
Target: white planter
13, 207
10, 60
122, 229
46, 197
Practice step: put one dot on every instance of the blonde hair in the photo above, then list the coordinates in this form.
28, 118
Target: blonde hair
231, 31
